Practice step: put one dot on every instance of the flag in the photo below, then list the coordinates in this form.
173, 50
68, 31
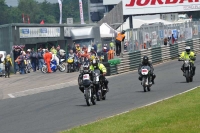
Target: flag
60, 7
42, 22
81, 11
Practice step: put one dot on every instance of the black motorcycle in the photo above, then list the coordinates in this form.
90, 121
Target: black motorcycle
146, 78
89, 91
98, 82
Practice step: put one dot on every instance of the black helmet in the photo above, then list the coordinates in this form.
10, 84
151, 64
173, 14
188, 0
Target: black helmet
95, 62
123, 31
145, 60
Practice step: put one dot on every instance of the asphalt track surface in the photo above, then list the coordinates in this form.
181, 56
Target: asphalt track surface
53, 111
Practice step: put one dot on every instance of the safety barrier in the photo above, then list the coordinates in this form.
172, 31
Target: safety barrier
130, 61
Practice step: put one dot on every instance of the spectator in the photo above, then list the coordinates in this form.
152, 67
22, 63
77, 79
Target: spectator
20, 61
165, 41
0, 58
33, 59
120, 38
7, 62
40, 58
47, 59
16, 53
95, 47
53, 50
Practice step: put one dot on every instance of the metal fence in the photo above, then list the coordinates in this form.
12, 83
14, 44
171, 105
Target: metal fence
158, 35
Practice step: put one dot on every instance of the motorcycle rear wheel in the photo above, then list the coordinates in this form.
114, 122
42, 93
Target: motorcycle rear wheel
148, 88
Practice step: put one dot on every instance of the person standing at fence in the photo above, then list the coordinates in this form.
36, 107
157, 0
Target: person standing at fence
40, 58
120, 38
7, 62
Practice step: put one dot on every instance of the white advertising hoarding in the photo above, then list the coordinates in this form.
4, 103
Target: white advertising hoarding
111, 2
67, 31
131, 7
30, 32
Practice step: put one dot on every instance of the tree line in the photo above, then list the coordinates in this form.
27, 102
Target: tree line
49, 12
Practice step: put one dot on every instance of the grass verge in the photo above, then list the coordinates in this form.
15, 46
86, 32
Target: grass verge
180, 114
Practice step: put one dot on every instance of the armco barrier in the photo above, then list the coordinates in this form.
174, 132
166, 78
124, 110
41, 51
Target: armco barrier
130, 61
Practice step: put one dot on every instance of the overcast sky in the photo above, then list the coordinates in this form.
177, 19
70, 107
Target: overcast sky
15, 2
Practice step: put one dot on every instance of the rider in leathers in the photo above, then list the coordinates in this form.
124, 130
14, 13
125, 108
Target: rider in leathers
96, 65
146, 62
187, 54
86, 70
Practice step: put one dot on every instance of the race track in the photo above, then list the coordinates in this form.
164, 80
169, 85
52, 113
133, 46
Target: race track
53, 111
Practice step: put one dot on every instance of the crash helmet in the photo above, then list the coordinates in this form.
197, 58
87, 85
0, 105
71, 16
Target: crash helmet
187, 49
86, 67
145, 60
95, 62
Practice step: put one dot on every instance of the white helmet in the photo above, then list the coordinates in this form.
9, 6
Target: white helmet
187, 49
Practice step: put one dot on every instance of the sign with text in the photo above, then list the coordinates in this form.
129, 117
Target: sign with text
136, 7
30, 32
67, 31
70, 21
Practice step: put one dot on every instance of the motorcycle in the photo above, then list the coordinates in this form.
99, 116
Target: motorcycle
71, 67
101, 91
89, 91
146, 78
188, 70
54, 67
28, 66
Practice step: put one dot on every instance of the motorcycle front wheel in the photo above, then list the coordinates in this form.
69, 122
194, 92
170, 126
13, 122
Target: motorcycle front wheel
62, 67
143, 84
44, 69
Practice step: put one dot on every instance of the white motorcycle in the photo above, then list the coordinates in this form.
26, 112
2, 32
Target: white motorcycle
146, 78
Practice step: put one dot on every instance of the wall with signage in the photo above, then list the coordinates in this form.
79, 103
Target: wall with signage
136, 7
31, 32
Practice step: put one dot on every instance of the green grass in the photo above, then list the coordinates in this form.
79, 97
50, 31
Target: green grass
180, 114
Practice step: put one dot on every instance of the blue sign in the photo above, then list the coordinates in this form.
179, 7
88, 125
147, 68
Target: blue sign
175, 33
43, 30
161, 34
25, 31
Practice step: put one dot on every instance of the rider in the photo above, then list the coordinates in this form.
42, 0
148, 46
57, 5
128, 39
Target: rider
188, 54
85, 70
96, 65
72, 55
146, 62
93, 54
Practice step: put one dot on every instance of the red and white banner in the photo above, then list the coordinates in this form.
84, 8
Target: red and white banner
81, 12
60, 7
134, 7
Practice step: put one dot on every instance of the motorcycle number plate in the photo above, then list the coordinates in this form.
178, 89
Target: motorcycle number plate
145, 71
86, 77
97, 78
